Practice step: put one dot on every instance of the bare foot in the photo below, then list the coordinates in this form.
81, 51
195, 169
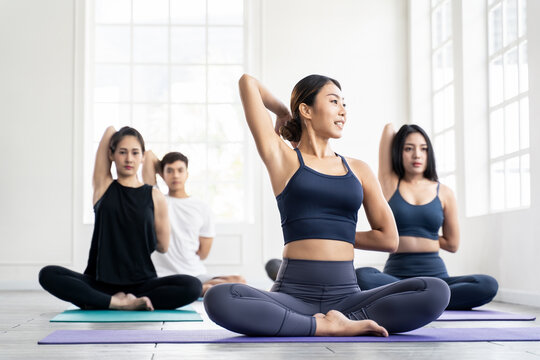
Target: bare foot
335, 323
123, 301
205, 288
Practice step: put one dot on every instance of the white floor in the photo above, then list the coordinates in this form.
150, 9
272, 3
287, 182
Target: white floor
25, 315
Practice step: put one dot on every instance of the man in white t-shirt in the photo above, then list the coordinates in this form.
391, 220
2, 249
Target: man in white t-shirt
192, 225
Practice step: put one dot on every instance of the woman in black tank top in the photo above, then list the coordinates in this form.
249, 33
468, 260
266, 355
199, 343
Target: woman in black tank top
131, 221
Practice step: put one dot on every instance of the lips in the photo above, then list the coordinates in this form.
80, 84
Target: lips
339, 123
128, 167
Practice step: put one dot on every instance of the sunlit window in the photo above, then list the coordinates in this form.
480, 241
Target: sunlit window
508, 104
443, 129
169, 68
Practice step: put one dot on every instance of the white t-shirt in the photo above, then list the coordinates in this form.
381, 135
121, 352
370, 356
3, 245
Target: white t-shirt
190, 218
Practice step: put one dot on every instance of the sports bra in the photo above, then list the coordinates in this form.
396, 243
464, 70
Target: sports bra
320, 206
417, 220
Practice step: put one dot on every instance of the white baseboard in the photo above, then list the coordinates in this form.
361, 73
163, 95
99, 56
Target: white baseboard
518, 297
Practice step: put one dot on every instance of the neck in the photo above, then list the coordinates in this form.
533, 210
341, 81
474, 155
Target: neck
312, 144
129, 181
414, 178
180, 193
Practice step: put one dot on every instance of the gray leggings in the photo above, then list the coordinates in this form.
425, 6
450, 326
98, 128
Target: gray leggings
306, 287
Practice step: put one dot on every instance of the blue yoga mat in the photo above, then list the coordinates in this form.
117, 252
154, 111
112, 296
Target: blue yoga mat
225, 336
186, 313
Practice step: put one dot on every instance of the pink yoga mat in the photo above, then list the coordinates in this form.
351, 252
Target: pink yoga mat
225, 336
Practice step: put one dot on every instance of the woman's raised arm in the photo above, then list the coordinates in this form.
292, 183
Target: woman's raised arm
102, 176
387, 177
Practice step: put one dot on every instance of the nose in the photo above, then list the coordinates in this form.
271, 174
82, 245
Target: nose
343, 111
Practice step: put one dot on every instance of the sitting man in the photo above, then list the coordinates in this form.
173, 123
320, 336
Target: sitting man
192, 226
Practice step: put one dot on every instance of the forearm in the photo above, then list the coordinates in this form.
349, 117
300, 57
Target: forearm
150, 168
271, 102
448, 244
376, 240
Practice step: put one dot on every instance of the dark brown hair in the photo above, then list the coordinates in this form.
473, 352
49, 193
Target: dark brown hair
304, 92
125, 131
173, 157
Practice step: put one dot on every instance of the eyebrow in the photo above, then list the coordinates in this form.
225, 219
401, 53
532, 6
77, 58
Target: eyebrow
336, 95
411, 144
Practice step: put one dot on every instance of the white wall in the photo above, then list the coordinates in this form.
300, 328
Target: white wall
361, 43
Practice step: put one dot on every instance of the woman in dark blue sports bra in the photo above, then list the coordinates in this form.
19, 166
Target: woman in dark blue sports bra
318, 194
421, 206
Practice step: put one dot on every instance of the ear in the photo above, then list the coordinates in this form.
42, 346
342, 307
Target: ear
305, 110
111, 158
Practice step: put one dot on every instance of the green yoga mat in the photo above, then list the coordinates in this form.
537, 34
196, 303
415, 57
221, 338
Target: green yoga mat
186, 313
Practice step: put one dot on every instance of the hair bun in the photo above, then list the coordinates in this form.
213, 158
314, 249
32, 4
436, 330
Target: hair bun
292, 130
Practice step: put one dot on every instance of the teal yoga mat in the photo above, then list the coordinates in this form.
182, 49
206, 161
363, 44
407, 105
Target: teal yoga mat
186, 313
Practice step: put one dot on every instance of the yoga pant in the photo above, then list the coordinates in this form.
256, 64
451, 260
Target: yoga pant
169, 292
466, 292
306, 287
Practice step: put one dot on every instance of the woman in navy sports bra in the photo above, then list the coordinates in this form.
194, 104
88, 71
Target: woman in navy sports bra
421, 206
319, 194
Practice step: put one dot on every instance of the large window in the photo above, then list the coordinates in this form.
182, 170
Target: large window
169, 68
508, 105
442, 90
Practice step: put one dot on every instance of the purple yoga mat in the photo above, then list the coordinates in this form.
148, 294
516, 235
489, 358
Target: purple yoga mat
482, 315
225, 336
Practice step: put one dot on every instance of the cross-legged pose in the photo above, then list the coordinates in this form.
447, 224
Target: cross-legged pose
421, 205
192, 225
319, 194
131, 221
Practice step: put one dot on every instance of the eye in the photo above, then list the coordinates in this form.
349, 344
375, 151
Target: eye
334, 101
407, 148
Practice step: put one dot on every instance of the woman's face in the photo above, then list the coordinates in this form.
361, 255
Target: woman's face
128, 156
328, 114
415, 155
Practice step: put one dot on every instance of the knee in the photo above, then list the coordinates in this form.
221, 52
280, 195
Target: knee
363, 271
216, 300
46, 274
489, 285
193, 287
439, 292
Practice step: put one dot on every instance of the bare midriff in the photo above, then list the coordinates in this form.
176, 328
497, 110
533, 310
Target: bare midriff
319, 249
413, 244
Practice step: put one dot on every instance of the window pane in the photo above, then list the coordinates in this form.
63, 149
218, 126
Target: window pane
117, 115
112, 11
510, 21
522, 5
112, 44
227, 201
513, 182
445, 152
225, 162
222, 83
196, 154
497, 186
438, 69
436, 31
225, 45
188, 84
511, 124
450, 181
152, 122
496, 132
495, 29
188, 12
449, 107
225, 12
511, 81
524, 123
525, 181
150, 44
188, 123
523, 67
225, 123
111, 83
495, 81
188, 45
151, 12
150, 83
448, 63
438, 112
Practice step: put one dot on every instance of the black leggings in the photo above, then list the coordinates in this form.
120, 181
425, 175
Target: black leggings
169, 292
306, 287
466, 292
